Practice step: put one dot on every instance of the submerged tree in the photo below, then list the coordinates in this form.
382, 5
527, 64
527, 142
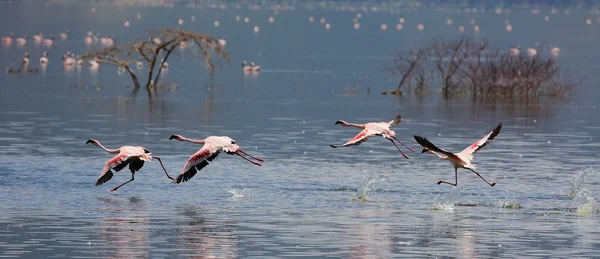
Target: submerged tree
465, 65
156, 51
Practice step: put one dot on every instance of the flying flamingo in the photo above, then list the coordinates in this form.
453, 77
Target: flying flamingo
213, 145
462, 159
126, 155
374, 129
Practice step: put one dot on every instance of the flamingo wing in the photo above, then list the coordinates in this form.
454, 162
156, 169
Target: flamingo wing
357, 140
396, 121
196, 162
428, 145
116, 163
478, 145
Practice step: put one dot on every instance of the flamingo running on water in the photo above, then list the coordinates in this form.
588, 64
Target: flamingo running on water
126, 155
213, 145
462, 159
374, 129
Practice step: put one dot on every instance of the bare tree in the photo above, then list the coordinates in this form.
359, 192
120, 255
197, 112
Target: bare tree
464, 65
157, 52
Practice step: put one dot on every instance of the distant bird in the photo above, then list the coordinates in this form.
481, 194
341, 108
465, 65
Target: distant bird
164, 64
48, 42
38, 38
89, 38
246, 67
68, 60
462, 159
514, 51
213, 145
156, 40
22, 41
374, 129
26, 58
555, 51
44, 58
139, 64
255, 68
64, 35
222, 41
94, 63
8, 40
126, 155
107, 41
531, 52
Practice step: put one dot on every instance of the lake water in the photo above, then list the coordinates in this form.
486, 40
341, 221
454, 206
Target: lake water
303, 201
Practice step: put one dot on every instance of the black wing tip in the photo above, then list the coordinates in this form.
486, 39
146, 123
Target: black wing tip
105, 178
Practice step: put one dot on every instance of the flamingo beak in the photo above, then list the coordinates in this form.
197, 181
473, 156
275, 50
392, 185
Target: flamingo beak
89, 141
424, 150
338, 122
173, 137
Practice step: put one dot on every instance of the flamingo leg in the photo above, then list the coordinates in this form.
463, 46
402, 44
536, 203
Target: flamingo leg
132, 178
255, 163
242, 151
163, 167
455, 179
490, 184
405, 156
409, 148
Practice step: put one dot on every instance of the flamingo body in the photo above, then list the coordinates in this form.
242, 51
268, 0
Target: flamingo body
462, 159
213, 145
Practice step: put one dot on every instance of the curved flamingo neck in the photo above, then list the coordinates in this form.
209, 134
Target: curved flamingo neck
112, 151
346, 124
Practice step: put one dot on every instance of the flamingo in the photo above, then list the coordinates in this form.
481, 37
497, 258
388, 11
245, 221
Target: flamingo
68, 60
64, 35
245, 67
89, 38
38, 38
374, 129
462, 159
126, 155
44, 58
213, 145
21, 41
94, 63
48, 42
255, 68
26, 58
7, 41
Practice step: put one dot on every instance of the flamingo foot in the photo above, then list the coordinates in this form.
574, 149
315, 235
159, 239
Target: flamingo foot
333, 146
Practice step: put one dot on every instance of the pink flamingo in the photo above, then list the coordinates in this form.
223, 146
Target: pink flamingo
374, 129
213, 145
126, 155
462, 159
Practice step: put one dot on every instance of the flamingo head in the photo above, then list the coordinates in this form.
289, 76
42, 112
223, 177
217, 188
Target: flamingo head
26, 54
176, 137
424, 150
341, 122
244, 63
93, 142
252, 63
146, 151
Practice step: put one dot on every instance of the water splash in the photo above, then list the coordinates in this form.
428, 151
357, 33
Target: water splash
577, 181
446, 202
508, 203
585, 203
368, 186
238, 192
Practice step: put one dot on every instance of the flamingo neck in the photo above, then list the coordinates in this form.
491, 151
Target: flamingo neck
111, 151
438, 155
346, 124
197, 141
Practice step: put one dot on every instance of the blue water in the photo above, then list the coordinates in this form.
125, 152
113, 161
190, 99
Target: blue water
302, 202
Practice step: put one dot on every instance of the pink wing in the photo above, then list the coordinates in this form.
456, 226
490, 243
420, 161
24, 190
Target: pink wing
117, 163
196, 162
478, 145
358, 139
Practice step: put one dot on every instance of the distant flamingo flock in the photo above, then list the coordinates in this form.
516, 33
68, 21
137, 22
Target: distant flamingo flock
212, 146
